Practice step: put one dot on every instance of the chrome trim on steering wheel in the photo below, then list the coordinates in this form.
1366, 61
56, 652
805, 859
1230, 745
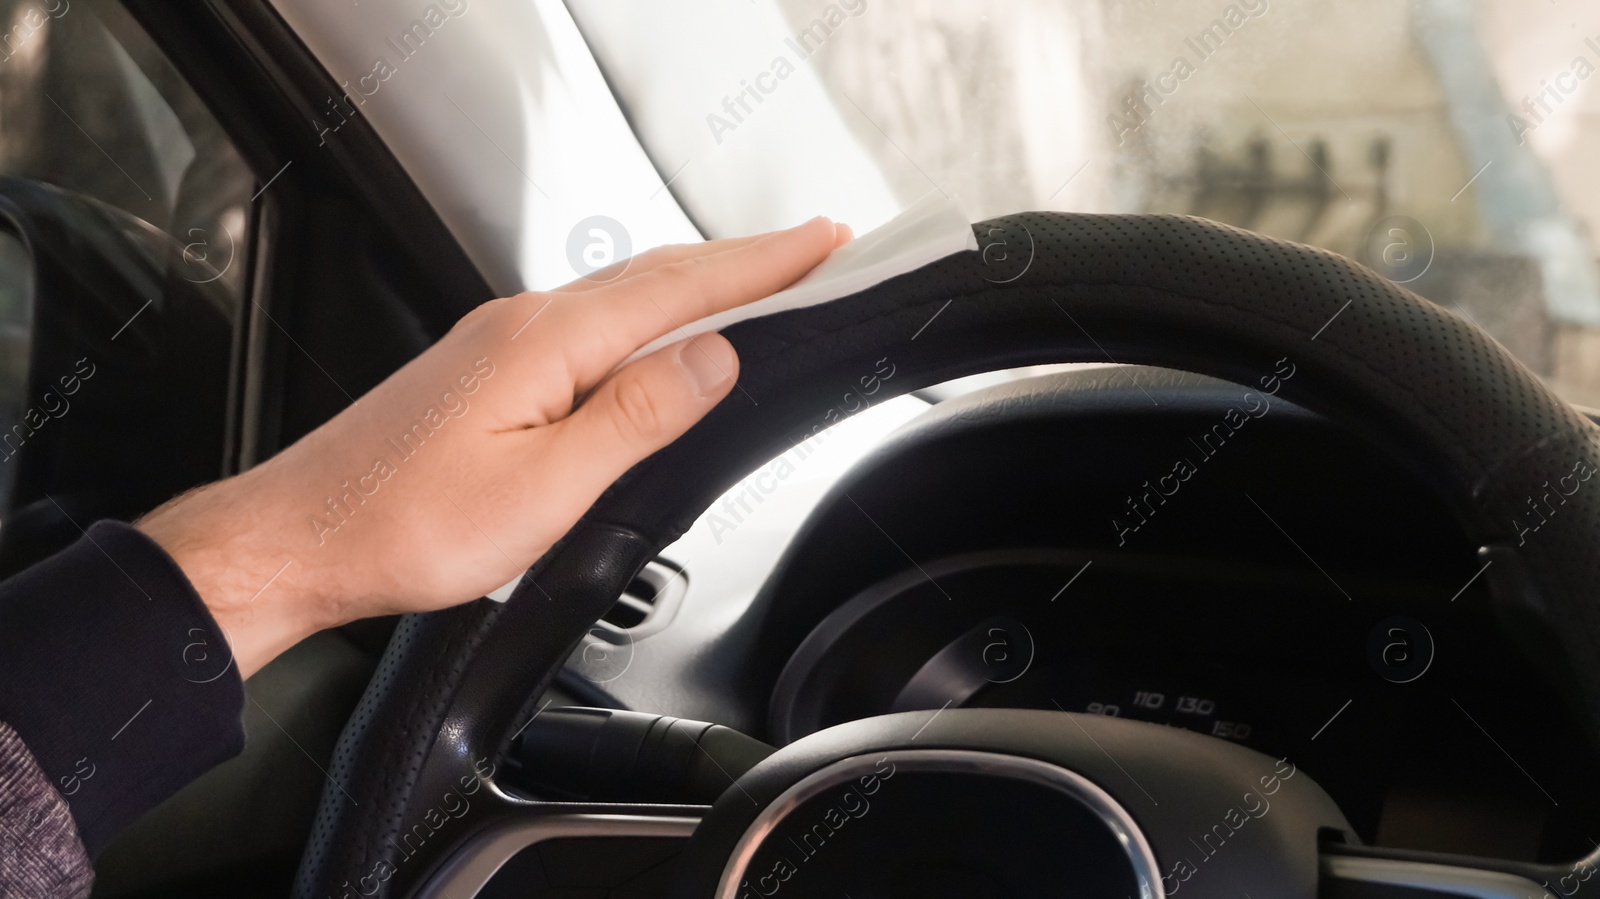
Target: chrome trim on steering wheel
477, 860
990, 764
1473, 883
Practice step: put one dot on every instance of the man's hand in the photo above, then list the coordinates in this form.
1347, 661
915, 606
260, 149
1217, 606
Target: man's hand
461, 469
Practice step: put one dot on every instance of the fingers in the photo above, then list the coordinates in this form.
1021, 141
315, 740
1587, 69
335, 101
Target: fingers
644, 407
579, 334
651, 260
638, 310
666, 255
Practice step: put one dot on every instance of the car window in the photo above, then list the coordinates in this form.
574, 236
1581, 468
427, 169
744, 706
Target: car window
90, 105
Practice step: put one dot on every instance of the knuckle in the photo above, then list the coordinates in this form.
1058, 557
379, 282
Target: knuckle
662, 255
527, 314
638, 413
483, 311
668, 279
697, 265
685, 273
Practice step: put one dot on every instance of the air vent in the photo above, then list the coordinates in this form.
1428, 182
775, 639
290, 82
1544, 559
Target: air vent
606, 651
647, 603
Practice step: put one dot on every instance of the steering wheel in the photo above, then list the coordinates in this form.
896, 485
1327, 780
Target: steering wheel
1127, 806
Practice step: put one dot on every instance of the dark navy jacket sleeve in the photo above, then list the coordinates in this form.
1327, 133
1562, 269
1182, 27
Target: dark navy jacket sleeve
116, 678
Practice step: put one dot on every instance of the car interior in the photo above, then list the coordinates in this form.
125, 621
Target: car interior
1222, 524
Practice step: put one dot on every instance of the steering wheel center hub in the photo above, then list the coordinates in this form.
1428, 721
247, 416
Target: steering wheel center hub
1010, 803
942, 822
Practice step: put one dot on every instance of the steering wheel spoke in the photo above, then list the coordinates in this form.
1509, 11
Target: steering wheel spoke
473, 861
1357, 872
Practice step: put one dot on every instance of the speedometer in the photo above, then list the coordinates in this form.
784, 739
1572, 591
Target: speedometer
1169, 702
993, 636
992, 663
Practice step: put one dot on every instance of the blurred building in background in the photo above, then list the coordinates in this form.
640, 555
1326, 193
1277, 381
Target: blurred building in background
1447, 143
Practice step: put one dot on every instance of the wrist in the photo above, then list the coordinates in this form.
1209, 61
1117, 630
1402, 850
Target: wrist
239, 565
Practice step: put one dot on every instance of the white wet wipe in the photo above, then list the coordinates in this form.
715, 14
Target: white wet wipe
930, 229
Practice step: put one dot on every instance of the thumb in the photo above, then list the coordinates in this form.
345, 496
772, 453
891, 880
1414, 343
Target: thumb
641, 409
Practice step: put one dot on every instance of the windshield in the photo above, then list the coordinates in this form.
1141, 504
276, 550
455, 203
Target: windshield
1446, 143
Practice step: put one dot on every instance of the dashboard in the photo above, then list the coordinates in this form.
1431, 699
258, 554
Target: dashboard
1298, 593
1420, 745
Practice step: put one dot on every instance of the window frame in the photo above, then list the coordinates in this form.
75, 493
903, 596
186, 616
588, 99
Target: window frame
263, 86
